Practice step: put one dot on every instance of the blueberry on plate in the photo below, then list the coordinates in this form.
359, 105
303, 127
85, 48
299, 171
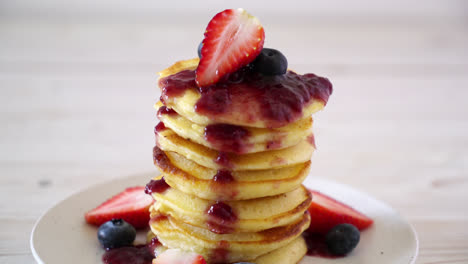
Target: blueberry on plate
342, 239
116, 233
270, 62
200, 46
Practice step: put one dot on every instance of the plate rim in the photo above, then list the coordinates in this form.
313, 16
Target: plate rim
98, 185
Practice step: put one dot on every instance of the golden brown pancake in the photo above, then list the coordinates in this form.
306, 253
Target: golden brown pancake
251, 215
226, 248
192, 178
167, 140
256, 139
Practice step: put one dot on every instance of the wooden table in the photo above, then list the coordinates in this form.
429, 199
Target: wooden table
76, 109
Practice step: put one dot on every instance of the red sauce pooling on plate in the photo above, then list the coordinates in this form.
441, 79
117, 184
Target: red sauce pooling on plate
142, 254
316, 245
276, 100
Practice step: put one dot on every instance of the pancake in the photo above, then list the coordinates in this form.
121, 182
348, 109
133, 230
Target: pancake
226, 248
251, 215
238, 112
192, 178
292, 253
167, 140
251, 139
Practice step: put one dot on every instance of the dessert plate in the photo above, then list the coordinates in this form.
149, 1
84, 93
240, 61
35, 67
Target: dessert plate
62, 234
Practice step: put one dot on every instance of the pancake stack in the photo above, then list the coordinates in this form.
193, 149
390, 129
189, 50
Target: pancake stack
231, 182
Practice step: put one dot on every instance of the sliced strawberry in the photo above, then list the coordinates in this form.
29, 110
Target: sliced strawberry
131, 205
326, 212
176, 256
233, 39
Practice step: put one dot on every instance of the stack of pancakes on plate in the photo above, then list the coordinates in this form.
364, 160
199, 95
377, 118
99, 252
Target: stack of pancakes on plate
232, 182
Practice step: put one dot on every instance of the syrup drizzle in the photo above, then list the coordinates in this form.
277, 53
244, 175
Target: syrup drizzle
223, 160
164, 110
224, 183
227, 138
157, 186
221, 218
159, 127
311, 140
249, 96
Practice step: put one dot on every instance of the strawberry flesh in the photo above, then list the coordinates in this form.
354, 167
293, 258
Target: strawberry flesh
131, 205
233, 39
327, 212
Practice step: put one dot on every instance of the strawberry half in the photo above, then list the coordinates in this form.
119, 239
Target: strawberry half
176, 256
130, 205
233, 39
326, 212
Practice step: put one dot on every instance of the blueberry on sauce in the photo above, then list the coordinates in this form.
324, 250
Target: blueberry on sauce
342, 239
270, 62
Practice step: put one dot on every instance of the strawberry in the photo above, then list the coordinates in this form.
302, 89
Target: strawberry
233, 39
130, 205
326, 212
176, 256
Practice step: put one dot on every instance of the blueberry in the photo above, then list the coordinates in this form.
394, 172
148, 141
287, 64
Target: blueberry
200, 46
116, 233
342, 239
271, 62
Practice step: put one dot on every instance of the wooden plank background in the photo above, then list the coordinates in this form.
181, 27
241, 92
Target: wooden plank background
78, 80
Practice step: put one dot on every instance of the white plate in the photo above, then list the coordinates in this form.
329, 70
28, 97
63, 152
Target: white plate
62, 234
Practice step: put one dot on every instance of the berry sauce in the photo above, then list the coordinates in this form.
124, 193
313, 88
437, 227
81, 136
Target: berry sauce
173, 87
228, 138
159, 127
223, 176
247, 96
221, 218
221, 252
316, 246
142, 254
164, 110
274, 144
311, 140
157, 186
223, 160
224, 183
